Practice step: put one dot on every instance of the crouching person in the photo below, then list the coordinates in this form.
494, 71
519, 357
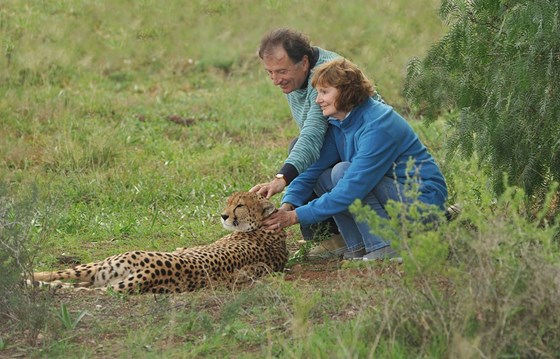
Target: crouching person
366, 155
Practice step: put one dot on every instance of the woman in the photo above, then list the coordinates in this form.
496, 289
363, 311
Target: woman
366, 155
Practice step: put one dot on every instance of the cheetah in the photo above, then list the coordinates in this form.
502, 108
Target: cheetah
249, 252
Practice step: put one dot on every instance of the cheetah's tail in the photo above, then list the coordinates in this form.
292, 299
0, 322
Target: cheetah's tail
82, 273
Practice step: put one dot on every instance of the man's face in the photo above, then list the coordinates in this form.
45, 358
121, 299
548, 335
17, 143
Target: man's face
283, 72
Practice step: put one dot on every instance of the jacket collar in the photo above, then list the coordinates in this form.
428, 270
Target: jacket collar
355, 112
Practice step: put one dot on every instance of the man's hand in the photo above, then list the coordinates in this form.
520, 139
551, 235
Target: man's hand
271, 188
280, 220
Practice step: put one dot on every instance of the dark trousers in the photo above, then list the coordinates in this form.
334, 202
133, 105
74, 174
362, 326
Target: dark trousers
320, 230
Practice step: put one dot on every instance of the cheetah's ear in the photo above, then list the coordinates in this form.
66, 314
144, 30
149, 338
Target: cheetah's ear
268, 208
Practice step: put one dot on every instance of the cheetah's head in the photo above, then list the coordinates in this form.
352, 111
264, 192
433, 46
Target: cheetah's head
245, 211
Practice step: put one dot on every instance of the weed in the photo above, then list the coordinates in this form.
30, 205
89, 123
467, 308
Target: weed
465, 285
22, 306
66, 319
300, 255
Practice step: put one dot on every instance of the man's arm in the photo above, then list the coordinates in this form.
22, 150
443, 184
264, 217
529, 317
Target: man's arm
313, 126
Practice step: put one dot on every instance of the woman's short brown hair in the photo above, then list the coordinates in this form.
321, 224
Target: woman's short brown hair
352, 85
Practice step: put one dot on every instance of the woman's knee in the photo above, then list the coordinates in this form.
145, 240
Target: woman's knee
338, 171
331, 176
324, 183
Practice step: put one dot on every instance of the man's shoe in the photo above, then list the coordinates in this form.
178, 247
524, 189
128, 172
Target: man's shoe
333, 247
382, 254
453, 212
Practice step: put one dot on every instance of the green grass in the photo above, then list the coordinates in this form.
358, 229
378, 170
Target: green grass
89, 89
91, 94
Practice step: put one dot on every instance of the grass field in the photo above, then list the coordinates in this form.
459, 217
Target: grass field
128, 123
91, 91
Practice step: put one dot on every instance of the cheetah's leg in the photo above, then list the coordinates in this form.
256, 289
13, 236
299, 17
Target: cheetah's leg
249, 274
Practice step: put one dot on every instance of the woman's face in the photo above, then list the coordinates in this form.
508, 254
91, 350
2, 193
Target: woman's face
326, 98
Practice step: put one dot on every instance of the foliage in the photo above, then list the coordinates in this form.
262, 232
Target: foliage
484, 284
21, 306
499, 67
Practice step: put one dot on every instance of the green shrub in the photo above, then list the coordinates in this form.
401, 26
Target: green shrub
484, 284
22, 308
499, 67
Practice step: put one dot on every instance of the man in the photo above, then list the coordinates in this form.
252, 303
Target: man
289, 59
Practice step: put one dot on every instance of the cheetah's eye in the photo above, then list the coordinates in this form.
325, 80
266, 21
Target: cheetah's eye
237, 207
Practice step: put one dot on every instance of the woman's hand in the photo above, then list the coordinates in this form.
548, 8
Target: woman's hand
269, 189
281, 219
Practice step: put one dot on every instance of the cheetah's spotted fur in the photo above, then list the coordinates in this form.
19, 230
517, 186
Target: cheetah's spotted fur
249, 252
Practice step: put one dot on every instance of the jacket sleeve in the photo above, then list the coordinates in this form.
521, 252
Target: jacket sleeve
375, 157
299, 191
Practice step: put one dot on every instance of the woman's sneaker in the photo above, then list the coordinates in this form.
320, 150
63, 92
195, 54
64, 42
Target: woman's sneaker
357, 254
382, 254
